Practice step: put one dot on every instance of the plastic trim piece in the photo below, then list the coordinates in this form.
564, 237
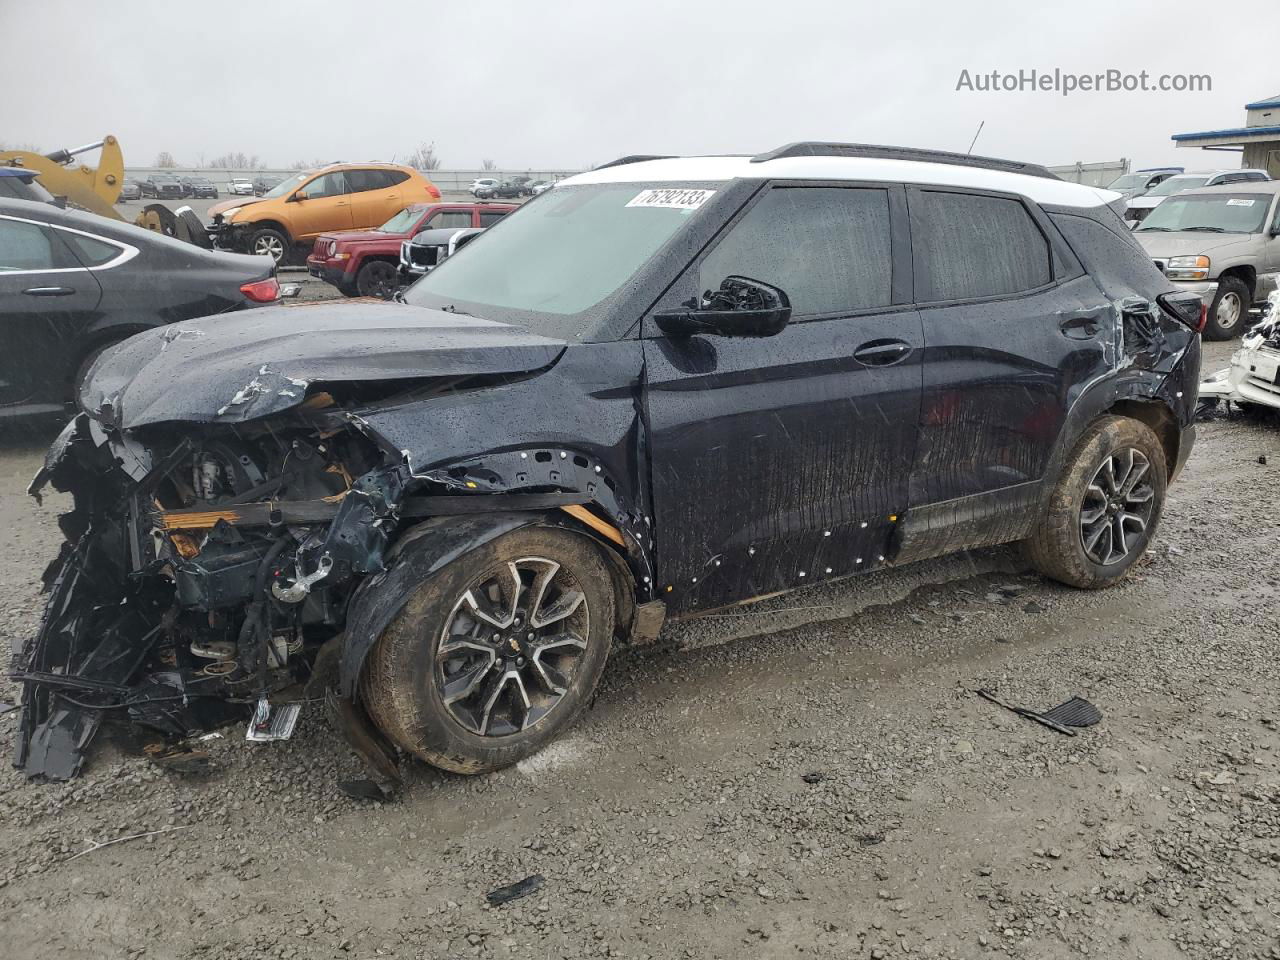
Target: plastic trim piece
875, 152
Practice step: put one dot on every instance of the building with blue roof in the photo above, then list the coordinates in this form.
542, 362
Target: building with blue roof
1258, 139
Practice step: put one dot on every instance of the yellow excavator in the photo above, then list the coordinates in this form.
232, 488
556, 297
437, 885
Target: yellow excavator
98, 189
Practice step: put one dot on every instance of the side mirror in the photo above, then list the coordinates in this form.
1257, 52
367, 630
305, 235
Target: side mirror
299, 196
742, 307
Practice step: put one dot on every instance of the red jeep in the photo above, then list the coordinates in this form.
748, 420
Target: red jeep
364, 262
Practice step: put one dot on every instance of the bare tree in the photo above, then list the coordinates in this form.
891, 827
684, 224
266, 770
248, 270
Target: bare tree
424, 158
164, 160
238, 160
23, 147
488, 165
306, 164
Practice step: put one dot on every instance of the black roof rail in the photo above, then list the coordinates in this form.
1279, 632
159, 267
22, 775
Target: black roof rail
634, 158
813, 148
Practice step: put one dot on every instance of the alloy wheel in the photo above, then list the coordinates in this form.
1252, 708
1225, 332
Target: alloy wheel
511, 646
1117, 506
269, 246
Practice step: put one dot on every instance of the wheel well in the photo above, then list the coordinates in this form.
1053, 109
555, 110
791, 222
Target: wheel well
270, 225
104, 338
1159, 418
1246, 274
375, 258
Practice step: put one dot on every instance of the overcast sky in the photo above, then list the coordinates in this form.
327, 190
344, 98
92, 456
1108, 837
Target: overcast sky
568, 83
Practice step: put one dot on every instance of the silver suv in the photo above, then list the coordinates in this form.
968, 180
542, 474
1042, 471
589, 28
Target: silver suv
1221, 243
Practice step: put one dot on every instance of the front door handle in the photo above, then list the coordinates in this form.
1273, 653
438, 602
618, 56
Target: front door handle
882, 353
1081, 326
49, 291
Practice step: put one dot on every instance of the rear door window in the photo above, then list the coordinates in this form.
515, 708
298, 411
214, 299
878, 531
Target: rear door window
489, 217
449, 218
30, 246
967, 246
827, 248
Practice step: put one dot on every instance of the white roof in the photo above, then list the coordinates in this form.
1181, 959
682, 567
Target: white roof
1038, 189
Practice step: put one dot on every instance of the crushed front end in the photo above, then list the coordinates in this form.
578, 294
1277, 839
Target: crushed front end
204, 569
1254, 374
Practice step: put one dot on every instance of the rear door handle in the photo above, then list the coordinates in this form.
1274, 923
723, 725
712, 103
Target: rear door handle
882, 353
49, 291
1081, 326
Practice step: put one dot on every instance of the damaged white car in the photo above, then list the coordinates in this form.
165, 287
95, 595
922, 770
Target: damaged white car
1254, 374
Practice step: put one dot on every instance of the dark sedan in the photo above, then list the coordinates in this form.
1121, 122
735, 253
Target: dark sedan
72, 284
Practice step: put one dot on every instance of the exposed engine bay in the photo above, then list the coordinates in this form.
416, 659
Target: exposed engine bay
230, 568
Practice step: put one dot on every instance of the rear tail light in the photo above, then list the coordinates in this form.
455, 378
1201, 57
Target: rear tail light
262, 291
1187, 308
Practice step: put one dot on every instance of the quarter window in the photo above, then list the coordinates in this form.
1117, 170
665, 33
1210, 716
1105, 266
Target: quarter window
827, 248
89, 250
489, 217
968, 246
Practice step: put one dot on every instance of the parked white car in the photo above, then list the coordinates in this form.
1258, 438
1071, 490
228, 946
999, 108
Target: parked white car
541, 188
241, 187
482, 186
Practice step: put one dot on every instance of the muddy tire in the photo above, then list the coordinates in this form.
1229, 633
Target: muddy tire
378, 278
1229, 311
1105, 506
456, 680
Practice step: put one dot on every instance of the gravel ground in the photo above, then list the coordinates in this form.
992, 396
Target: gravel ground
825, 785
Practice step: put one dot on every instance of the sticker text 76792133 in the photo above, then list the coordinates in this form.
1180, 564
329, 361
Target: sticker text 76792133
672, 197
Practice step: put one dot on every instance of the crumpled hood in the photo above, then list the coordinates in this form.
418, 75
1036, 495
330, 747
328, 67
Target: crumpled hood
1190, 243
254, 363
239, 200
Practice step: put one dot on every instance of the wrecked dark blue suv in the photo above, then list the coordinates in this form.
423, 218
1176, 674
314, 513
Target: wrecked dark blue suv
668, 385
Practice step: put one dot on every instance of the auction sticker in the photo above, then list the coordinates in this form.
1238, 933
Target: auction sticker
1235, 202
674, 198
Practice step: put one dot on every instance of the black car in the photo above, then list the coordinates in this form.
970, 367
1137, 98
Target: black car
510, 189
263, 185
162, 187
199, 187
668, 386
72, 284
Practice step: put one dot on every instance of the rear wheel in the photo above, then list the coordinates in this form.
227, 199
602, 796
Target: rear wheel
378, 278
270, 243
1105, 507
495, 655
1230, 307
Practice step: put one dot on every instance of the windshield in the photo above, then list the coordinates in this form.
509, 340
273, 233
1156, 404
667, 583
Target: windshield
286, 186
1129, 181
1175, 184
561, 255
1209, 213
402, 221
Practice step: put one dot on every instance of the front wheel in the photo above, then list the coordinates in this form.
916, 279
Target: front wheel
378, 278
1105, 506
495, 655
1230, 307
269, 243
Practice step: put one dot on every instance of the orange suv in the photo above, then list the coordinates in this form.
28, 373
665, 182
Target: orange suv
341, 196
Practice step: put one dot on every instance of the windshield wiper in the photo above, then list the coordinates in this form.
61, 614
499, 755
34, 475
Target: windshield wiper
1204, 229
1154, 230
